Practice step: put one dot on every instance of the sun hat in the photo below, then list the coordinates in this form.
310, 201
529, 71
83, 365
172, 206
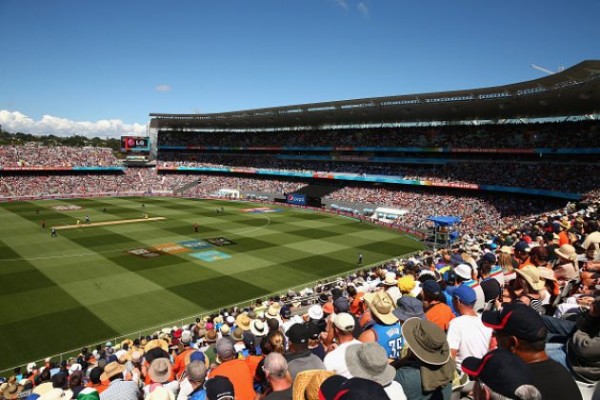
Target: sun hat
111, 369
500, 370
74, 368
237, 334
546, 273
307, 384
426, 340
409, 307
154, 343
532, 275
370, 361
31, 366
211, 336
344, 322
186, 337
273, 311
315, 312
12, 391
160, 370
88, 394
243, 322
390, 279
225, 329
53, 394
506, 250
463, 270
258, 328
381, 306
567, 251
160, 393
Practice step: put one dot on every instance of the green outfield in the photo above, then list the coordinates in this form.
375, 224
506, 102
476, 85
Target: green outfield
96, 282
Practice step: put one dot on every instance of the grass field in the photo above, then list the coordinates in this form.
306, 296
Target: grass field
86, 285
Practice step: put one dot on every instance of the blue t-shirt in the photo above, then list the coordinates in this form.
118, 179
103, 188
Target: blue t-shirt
390, 338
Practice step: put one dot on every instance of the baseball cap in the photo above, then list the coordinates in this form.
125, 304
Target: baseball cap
489, 257
431, 287
516, 320
197, 356
344, 322
465, 294
297, 333
522, 246
219, 388
361, 388
285, 312
341, 305
500, 370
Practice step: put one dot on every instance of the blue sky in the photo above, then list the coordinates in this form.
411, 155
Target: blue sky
101, 66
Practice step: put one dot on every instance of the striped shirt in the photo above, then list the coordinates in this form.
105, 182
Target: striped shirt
121, 390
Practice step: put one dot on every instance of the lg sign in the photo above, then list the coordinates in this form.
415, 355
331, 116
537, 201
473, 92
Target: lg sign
299, 199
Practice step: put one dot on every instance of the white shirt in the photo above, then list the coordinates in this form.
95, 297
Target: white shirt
394, 391
394, 293
469, 336
335, 360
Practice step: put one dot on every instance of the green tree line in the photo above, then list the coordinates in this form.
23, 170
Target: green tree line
20, 138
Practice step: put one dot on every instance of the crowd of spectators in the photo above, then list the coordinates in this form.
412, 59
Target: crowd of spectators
478, 213
553, 176
513, 312
35, 155
547, 135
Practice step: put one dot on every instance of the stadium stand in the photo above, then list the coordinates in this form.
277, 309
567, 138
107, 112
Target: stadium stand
525, 267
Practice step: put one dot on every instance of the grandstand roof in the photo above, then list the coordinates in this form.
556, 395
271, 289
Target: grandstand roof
574, 91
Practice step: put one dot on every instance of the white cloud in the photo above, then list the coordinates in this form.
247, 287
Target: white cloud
14, 121
163, 88
342, 3
362, 8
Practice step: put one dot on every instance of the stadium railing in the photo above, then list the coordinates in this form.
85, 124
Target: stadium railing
186, 321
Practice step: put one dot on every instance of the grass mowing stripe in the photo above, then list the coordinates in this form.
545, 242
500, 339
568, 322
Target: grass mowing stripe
40, 336
272, 252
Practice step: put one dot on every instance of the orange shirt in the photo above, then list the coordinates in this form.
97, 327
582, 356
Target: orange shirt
253, 362
441, 315
239, 374
563, 238
524, 263
179, 364
357, 306
101, 387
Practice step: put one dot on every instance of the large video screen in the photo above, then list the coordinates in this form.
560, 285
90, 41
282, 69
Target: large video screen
135, 144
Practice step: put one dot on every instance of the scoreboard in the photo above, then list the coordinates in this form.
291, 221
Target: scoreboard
135, 144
